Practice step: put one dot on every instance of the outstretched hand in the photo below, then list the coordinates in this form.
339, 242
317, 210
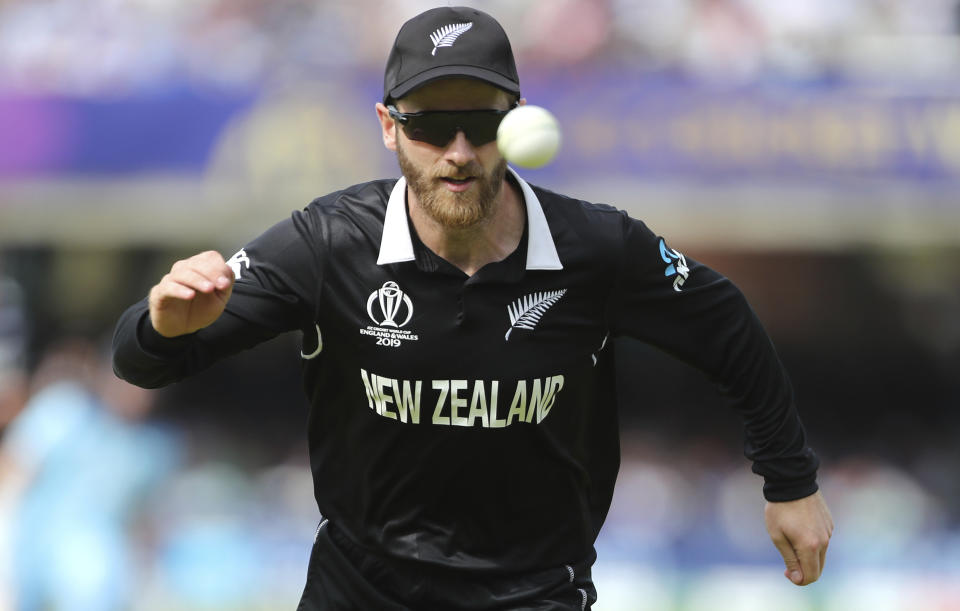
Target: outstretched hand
801, 531
192, 295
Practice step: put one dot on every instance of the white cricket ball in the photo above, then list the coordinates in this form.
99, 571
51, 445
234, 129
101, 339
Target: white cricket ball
529, 136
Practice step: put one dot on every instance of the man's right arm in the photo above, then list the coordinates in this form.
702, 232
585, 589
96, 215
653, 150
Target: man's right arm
178, 329
204, 309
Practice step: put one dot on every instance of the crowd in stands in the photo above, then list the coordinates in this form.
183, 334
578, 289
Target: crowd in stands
114, 47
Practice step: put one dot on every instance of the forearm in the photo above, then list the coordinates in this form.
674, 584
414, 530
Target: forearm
155, 365
755, 384
708, 324
723, 337
143, 357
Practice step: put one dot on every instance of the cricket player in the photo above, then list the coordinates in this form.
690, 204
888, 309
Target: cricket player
457, 326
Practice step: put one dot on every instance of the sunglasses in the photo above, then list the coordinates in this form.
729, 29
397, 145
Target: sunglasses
439, 127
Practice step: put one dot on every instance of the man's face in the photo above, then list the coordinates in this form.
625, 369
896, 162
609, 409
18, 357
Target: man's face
458, 183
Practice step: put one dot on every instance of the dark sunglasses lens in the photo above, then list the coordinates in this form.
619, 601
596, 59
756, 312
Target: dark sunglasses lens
481, 128
432, 130
439, 128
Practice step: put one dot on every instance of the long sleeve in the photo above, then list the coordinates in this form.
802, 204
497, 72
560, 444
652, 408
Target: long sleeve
278, 278
695, 314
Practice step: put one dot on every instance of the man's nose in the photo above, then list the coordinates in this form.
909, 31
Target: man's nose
460, 151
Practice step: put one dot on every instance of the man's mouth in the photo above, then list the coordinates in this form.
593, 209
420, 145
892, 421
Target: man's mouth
457, 184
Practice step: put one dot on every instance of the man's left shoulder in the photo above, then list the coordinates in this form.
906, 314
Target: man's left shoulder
584, 217
368, 198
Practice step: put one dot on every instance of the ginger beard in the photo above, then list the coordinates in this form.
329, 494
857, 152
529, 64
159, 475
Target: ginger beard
448, 208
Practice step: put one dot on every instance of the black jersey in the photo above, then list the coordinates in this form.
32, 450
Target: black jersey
471, 422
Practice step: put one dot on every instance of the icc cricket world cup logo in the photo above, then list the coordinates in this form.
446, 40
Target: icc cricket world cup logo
391, 301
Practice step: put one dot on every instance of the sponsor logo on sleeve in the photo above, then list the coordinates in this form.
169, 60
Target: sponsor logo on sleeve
239, 262
676, 265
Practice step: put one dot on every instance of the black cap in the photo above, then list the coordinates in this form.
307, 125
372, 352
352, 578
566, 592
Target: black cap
450, 42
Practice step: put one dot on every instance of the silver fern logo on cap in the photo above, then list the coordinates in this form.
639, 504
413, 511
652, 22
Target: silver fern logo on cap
525, 312
448, 34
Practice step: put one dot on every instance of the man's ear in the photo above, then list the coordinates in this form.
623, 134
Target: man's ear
388, 126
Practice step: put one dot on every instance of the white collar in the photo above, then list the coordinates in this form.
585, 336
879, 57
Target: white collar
396, 245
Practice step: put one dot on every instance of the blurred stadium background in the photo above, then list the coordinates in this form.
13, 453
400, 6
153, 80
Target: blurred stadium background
809, 150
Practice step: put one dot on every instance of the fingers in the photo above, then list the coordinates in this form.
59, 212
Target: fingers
169, 289
793, 572
804, 557
205, 272
191, 279
176, 306
809, 556
801, 531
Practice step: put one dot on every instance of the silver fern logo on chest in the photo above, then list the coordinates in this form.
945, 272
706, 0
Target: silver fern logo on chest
448, 34
526, 312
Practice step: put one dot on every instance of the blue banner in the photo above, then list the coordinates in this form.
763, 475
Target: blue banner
614, 124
